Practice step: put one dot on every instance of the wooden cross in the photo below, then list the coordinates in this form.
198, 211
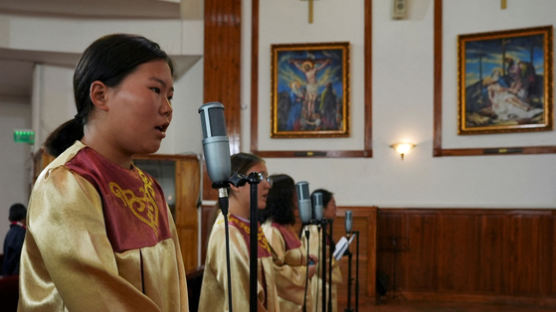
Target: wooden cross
310, 11
503, 4
310, 3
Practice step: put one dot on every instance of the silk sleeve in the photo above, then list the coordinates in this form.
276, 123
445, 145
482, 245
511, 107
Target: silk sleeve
182, 281
67, 253
289, 268
314, 240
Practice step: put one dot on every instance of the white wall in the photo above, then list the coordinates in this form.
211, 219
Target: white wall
178, 37
184, 134
51, 102
402, 104
402, 107
16, 158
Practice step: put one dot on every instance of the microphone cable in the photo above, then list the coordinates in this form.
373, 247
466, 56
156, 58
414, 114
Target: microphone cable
319, 271
307, 234
223, 202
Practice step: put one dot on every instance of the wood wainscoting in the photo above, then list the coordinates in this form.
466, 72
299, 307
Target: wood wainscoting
364, 221
470, 255
502, 256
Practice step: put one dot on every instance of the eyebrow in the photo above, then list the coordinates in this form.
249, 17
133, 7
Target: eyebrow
162, 82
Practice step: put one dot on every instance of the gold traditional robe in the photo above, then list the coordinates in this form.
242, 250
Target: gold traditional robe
289, 266
214, 289
99, 238
315, 245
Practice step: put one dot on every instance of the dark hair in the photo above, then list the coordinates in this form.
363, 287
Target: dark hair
18, 212
241, 163
109, 59
326, 196
280, 201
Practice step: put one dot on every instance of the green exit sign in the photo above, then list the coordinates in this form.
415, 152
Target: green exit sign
24, 136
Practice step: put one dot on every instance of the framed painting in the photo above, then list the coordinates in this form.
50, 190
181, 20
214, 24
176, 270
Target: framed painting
505, 81
310, 90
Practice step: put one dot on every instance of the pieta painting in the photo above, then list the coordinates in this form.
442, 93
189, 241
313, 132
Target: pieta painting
309, 86
505, 81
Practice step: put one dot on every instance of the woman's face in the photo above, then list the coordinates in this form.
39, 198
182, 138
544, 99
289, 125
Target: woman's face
244, 192
330, 209
139, 109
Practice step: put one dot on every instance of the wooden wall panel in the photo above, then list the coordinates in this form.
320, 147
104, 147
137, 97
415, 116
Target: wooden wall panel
552, 243
222, 62
364, 221
188, 173
470, 254
490, 247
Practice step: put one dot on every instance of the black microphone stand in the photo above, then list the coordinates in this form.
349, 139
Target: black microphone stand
223, 203
330, 266
357, 271
349, 279
323, 264
253, 242
253, 179
307, 234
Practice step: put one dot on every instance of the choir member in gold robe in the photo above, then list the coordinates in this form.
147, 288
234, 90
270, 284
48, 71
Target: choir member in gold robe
214, 289
315, 245
290, 259
100, 236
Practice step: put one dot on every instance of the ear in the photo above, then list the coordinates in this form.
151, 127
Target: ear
98, 92
234, 188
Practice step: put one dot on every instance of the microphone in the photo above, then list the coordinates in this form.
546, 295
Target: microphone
216, 145
317, 206
216, 148
348, 221
304, 201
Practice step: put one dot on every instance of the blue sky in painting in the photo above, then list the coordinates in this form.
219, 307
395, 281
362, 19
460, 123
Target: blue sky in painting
491, 52
330, 73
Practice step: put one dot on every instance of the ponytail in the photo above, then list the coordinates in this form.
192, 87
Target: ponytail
64, 136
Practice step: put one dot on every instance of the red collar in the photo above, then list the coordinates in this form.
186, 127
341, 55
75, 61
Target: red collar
18, 224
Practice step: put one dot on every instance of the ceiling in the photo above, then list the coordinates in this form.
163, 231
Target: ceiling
16, 66
93, 8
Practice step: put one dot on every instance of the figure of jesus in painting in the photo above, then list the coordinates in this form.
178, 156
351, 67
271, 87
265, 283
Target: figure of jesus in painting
310, 68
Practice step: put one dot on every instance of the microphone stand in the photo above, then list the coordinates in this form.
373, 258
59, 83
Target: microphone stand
307, 234
223, 203
330, 267
253, 179
350, 280
323, 265
357, 272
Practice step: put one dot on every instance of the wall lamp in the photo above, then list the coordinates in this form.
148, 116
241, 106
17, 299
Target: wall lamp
402, 148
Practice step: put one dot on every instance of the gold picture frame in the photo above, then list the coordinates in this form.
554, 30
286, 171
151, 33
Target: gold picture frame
505, 81
310, 90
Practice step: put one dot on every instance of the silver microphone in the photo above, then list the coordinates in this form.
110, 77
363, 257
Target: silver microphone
348, 221
304, 201
216, 145
317, 206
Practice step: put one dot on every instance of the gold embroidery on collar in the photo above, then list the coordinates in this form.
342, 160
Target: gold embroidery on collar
260, 235
136, 204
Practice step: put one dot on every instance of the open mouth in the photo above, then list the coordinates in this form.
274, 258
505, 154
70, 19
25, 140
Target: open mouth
162, 128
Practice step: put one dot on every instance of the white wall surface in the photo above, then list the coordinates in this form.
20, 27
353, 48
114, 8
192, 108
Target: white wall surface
402, 104
16, 158
51, 102
184, 134
178, 37
402, 107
